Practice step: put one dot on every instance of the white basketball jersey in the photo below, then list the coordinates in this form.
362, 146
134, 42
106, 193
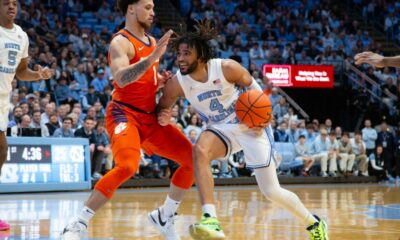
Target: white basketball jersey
213, 100
14, 45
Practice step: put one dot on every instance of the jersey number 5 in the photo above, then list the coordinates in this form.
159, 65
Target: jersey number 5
215, 105
12, 58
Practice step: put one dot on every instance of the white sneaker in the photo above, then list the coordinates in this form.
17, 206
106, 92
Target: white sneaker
74, 231
164, 224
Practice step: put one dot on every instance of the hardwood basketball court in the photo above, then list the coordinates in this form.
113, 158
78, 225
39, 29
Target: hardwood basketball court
362, 211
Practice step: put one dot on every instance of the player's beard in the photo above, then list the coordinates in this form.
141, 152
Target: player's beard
190, 68
143, 24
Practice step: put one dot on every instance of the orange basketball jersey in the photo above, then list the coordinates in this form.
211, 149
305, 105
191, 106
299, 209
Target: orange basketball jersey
140, 94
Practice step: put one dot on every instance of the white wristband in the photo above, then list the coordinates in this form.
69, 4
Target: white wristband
254, 85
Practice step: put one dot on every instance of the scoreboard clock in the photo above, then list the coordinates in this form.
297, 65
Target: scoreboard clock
46, 164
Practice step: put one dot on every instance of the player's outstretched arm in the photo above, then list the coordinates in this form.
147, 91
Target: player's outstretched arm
377, 60
25, 74
121, 51
171, 92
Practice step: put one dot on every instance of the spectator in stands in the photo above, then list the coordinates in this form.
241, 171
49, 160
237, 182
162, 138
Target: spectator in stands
90, 98
100, 82
310, 135
25, 123
338, 131
106, 97
102, 149
16, 119
62, 91
346, 155
100, 112
387, 141
292, 132
194, 124
290, 115
24, 107
256, 52
87, 132
280, 109
303, 155
91, 112
35, 123
65, 130
280, 134
81, 78
333, 149
78, 112
376, 166
302, 128
319, 150
369, 137
274, 97
62, 112
235, 55
193, 136
50, 127
328, 125
359, 149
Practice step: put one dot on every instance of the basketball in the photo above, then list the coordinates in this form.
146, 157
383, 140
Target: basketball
253, 108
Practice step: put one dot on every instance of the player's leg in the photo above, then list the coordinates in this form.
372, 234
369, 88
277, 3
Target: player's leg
259, 155
125, 144
212, 144
172, 144
3, 156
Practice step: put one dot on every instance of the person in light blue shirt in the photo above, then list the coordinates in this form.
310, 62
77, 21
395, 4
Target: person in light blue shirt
292, 132
65, 131
81, 78
369, 136
310, 135
319, 150
100, 82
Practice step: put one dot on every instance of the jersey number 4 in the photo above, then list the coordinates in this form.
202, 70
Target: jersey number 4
12, 58
215, 105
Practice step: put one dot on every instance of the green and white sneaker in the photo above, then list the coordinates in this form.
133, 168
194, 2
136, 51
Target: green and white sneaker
319, 230
208, 228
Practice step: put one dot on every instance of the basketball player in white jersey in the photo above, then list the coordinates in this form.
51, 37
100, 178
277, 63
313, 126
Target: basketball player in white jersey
210, 85
14, 60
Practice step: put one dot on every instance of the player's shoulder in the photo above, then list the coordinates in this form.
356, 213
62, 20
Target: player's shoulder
121, 42
229, 64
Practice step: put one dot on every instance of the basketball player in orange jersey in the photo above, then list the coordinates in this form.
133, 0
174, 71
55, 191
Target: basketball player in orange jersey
132, 123
210, 86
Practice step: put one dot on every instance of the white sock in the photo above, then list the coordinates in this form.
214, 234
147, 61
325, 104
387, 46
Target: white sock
209, 209
311, 220
170, 206
86, 214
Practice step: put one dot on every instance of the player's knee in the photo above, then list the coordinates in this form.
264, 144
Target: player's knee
273, 194
200, 154
125, 167
126, 171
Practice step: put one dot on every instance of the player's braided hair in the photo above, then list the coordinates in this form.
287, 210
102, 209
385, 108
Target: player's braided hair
198, 39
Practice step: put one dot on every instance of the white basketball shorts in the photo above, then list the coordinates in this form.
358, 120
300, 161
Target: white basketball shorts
257, 147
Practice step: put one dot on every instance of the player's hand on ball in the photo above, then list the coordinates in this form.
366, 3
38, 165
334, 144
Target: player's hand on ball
164, 117
44, 73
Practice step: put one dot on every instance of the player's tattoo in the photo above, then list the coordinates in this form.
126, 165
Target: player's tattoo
134, 73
